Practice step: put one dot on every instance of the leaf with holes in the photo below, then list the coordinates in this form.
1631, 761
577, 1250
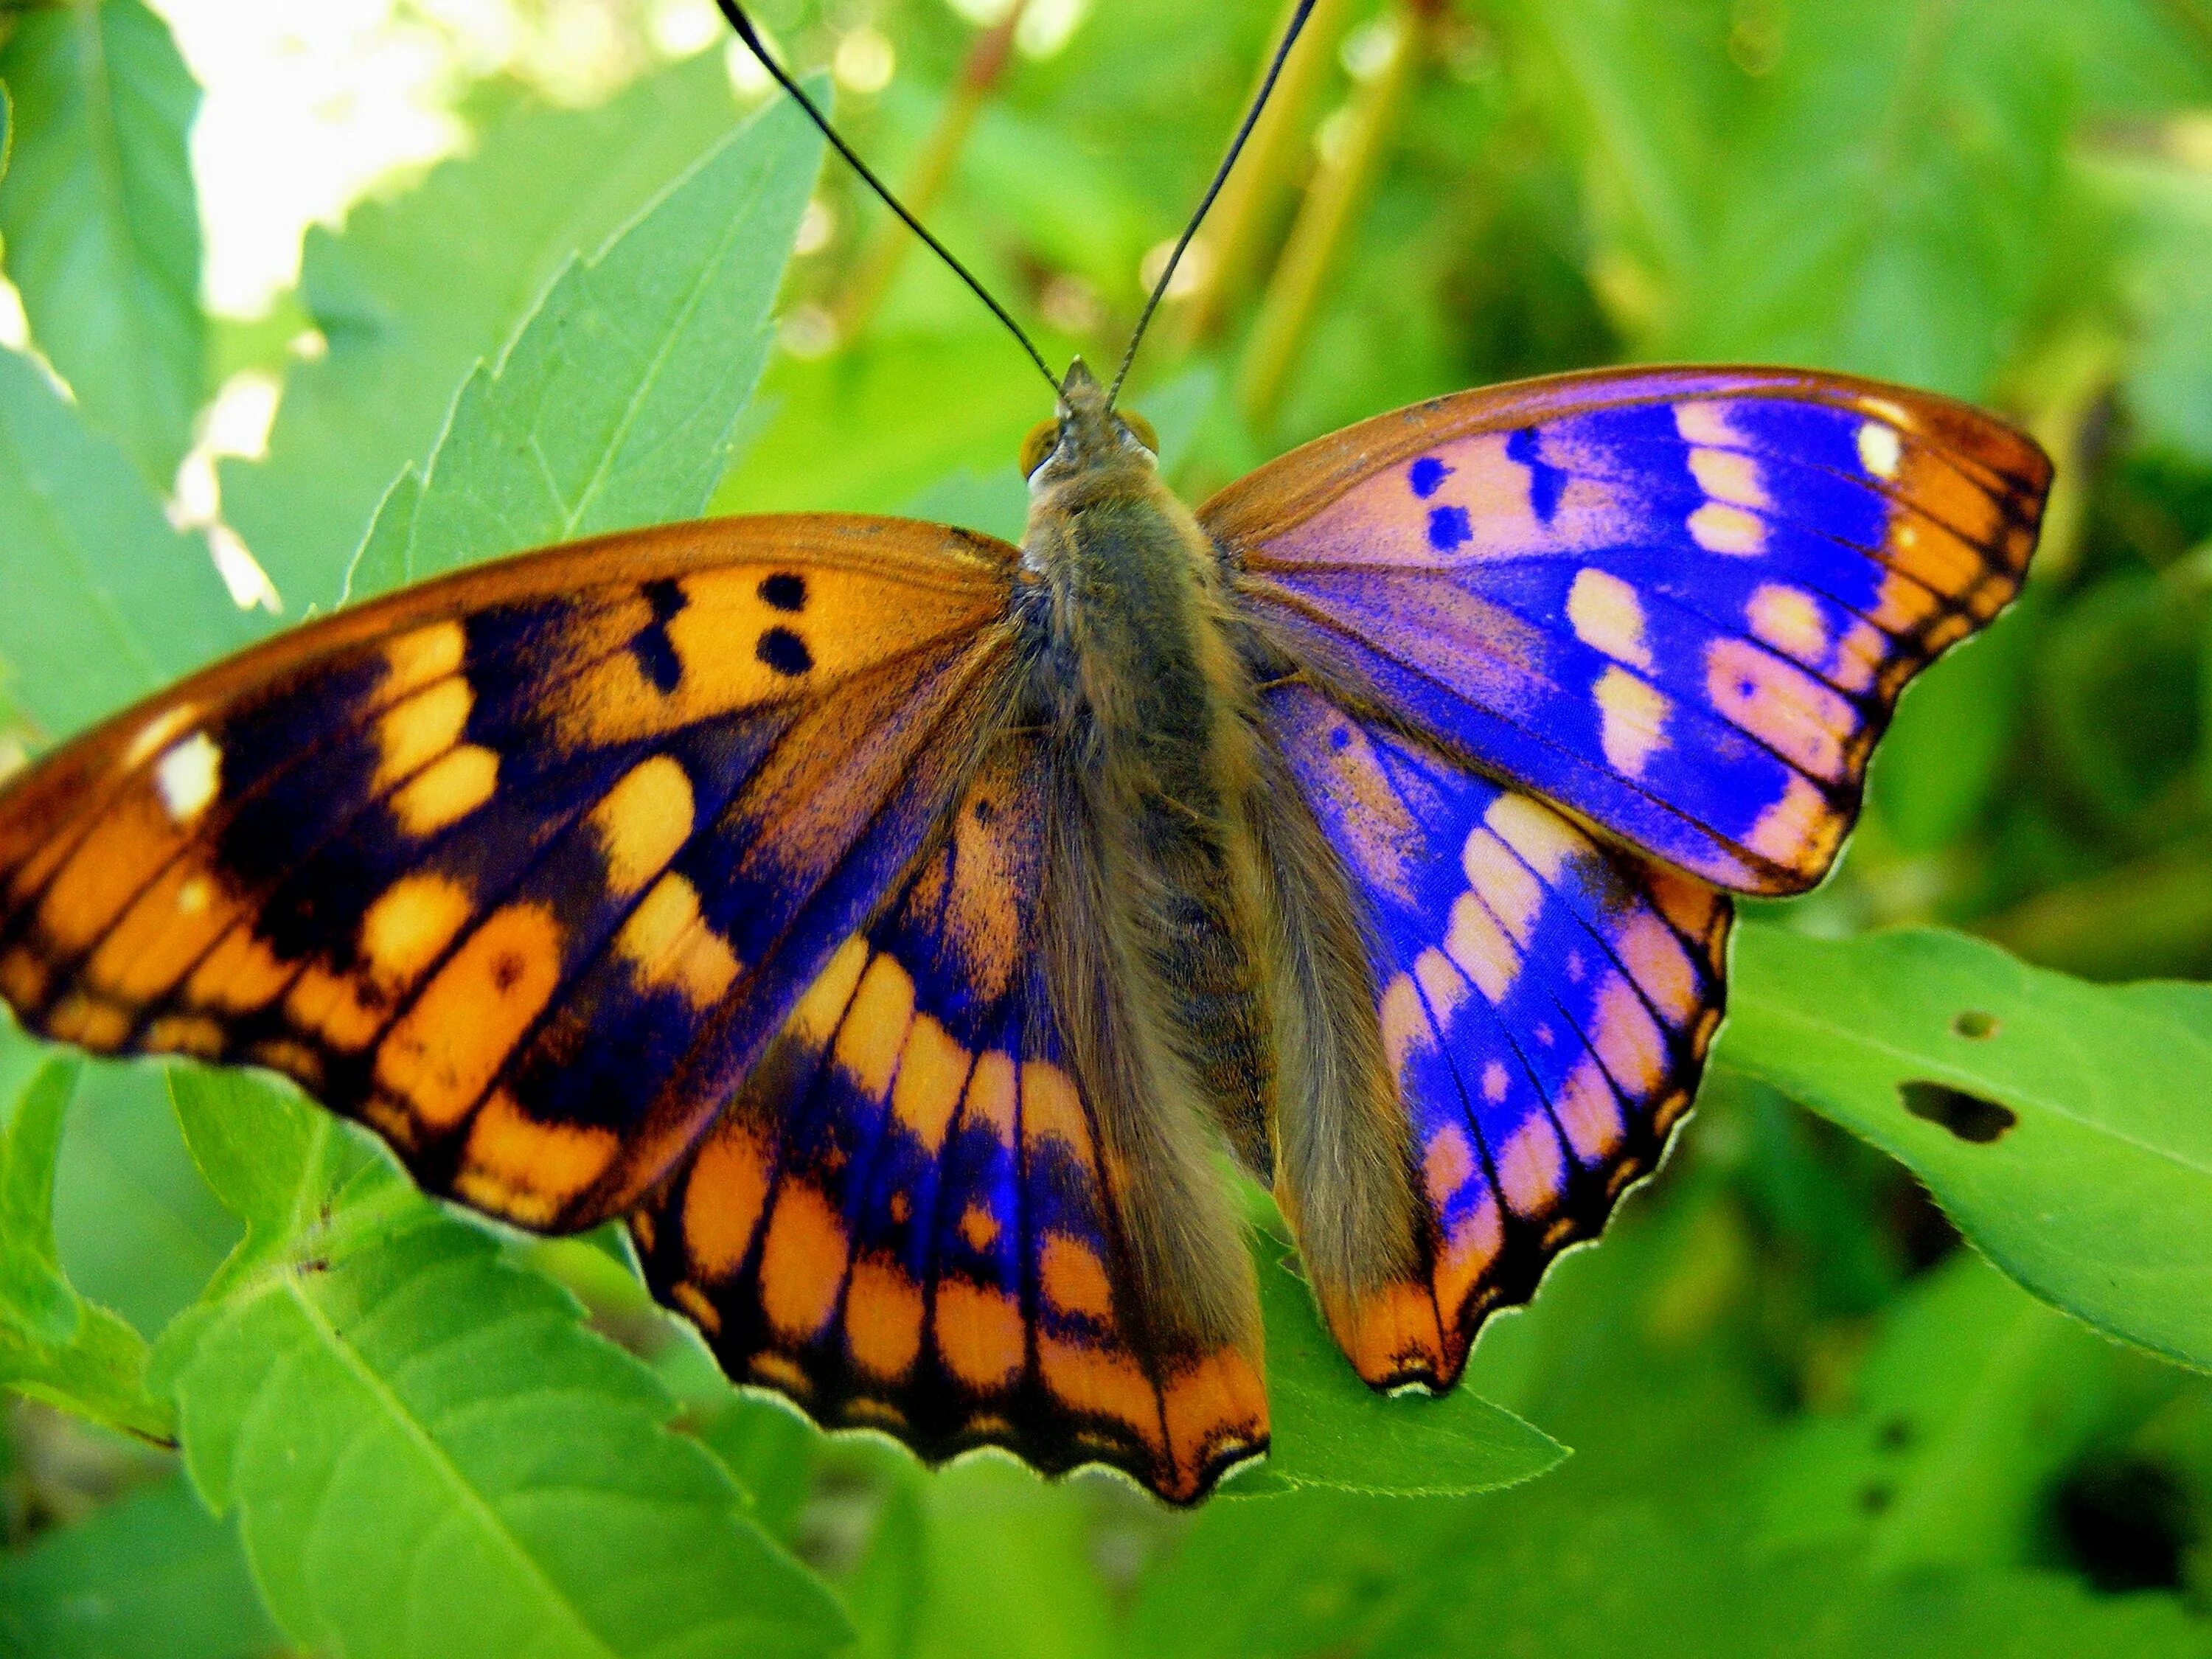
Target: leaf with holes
618, 404
2066, 1128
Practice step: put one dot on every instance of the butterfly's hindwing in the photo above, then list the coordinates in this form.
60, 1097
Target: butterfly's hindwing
1681, 603
908, 1219
1545, 1001
522, 867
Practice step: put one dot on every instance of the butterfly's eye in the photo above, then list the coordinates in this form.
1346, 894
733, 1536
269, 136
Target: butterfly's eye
1044, 439
1141, 429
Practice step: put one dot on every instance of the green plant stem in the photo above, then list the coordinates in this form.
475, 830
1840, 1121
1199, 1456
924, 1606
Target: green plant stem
1263, 178
1339, 190
980, 74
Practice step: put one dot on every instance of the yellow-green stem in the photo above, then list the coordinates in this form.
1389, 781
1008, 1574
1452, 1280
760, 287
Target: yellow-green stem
1265, 174
887, 248
1339, 188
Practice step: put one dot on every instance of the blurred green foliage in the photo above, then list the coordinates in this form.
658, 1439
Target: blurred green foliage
1804, 1419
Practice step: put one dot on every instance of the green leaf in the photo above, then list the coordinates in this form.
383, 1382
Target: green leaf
152, 1576
887, 1592
1974, 1400
1331, 1429
137, 1228
1887, 196
54, 1346
430, 1455
279, 1163
2065, 1128
617, 405
101, 224
414, 292
1008, 1572
396, 1411
106, 602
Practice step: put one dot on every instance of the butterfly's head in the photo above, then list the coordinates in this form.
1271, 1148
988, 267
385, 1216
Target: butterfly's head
1087, 437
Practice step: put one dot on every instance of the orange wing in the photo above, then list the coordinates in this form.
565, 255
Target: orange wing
523, 867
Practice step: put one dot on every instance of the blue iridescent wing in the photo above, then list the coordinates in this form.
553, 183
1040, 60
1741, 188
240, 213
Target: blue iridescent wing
524, 867
1546, 1000
905, 1219
1681, 603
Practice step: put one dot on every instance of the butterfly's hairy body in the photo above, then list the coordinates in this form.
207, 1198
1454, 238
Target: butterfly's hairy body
1203, 947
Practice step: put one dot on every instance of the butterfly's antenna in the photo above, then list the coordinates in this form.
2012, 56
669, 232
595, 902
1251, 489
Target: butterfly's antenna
1229, 162
735, 15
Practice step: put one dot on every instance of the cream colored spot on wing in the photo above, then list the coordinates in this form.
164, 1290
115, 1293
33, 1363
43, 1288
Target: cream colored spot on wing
1479, 946
1538, 835
1879, 449
1632, 720
1406, 1028
193, 896
1494, 1081
1895, 414
1719, 527
1705, 422
1608, 617
1728, 475
187, 776
1442, 985
1514, 897
1788, 619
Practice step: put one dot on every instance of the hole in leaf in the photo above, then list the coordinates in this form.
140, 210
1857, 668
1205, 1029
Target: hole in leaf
1975, 1025
1967, 1116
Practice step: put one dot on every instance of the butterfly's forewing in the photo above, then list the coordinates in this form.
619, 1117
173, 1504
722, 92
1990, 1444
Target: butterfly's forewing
1545, 1001
1680, 602
522, 867
908, 1216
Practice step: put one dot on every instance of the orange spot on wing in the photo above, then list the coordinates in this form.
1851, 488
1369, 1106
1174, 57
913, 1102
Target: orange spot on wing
1050, 1106
418, 729
239, 975
814, 1021
1587, 1112
443, 1053
931, 1072
1391, 1333
184, 1034
1782, 706
525, 1168
802, 1261
23, 977
132, 839
1800, 832
875, 1028
991, 1094
1628, 1040
979, 1228
883, 1318
670, 944
414, 659
643, 823
88, 1021
1655, 958
979, 1334
166, 930
1214, 1409
447, 791
1097, 1381
1074, 1279
1466, 1254
723, 1198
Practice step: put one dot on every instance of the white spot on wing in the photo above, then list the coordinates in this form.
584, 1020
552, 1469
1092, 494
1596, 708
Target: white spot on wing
158, 731
1632, 720
1879, 449
187, 776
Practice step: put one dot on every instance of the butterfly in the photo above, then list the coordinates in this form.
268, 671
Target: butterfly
898, 927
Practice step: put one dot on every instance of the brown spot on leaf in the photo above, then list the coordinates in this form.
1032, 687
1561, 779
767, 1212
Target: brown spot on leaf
1974, 1025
